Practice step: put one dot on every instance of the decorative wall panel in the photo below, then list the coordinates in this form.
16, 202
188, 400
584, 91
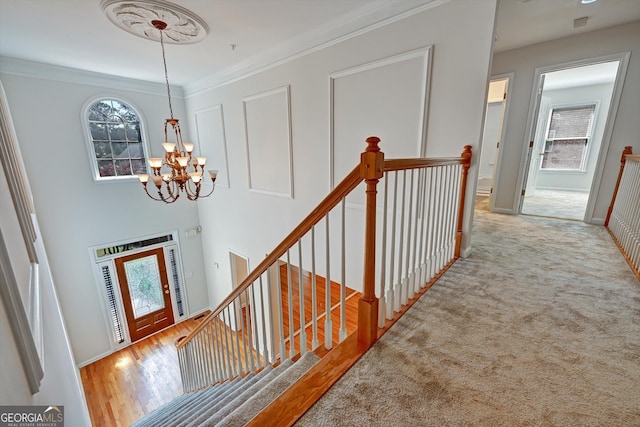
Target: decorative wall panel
213, 142
268, 135
387, 98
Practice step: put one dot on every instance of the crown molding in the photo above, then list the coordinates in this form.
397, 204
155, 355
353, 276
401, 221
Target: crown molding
39, 70
376, 15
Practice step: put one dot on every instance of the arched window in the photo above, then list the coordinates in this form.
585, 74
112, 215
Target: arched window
115, 139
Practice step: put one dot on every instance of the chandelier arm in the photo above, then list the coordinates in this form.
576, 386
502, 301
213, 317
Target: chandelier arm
191, 192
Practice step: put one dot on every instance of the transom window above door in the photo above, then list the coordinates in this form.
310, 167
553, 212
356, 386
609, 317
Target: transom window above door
567, 141
116, 143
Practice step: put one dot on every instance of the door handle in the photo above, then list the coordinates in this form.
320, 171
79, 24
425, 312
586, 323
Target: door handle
167, 291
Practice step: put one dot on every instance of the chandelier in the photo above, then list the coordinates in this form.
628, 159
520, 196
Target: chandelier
179, 171
185, 172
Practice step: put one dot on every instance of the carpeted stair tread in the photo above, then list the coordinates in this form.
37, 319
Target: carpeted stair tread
185, 412
165, 413
260, 400
231, 405
209, 407
177, 402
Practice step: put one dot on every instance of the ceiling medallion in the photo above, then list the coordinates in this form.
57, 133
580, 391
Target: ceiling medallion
138, 16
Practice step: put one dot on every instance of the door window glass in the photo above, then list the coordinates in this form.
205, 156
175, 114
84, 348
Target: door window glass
145, 287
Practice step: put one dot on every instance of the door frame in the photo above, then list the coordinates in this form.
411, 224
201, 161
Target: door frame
623, 58
239, 304
108, 261
503, 131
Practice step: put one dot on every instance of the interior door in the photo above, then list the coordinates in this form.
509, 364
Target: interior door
529, 184
537, 152
145, 292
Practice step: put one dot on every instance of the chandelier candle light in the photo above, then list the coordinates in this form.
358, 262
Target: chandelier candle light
185, 171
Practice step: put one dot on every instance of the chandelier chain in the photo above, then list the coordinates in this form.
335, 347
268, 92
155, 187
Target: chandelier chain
166, 74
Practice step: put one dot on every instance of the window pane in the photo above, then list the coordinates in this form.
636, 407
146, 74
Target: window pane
137, 166
116, 132
571, 122
102, 150
120, 150
106, 168
145, 288
133, 132
123, 167
564, 154
99, 111
99, 131
135, 150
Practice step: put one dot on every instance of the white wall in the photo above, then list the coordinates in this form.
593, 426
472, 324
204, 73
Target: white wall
577, 180
74, 211
253, 223
523, 63
61, 383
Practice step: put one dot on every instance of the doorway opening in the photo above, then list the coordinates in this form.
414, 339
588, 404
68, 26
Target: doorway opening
494, 123
572, 108
239, 272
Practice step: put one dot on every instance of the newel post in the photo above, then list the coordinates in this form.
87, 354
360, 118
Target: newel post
371, 170
623, 159
466, 162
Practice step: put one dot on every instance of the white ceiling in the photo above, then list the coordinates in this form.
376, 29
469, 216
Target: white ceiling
76, 33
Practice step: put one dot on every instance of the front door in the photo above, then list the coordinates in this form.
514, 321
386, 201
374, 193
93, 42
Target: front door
145, 292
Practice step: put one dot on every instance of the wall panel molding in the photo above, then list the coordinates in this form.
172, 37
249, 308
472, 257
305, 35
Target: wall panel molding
212, 141
267, 120
388, 98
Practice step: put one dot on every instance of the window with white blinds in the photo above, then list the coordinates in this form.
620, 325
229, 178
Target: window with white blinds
176, 281
114, 313
568, 135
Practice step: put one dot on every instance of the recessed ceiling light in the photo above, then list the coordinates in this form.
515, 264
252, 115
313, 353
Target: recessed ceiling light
588, 1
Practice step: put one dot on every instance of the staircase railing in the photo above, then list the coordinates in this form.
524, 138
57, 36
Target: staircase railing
623, 217
305, 291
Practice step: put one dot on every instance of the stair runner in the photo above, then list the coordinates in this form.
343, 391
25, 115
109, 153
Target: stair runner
230, 404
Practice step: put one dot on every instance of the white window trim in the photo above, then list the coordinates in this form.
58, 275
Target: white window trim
88, 139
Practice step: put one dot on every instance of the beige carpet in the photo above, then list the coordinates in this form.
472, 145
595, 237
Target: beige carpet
556, 204
540, 327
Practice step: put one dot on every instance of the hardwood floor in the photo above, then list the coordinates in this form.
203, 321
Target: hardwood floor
123, 387
132, 382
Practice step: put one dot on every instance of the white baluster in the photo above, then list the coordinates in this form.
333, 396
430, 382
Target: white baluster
314, 291
394, 297
265, 347
402, 281
343, 288
292, 350
328, 324
283, 352
303, 326
382, 304
271, 324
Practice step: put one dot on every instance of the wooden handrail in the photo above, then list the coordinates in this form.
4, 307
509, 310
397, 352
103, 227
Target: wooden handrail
350, 182
402, 164
628, 151
371, 169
